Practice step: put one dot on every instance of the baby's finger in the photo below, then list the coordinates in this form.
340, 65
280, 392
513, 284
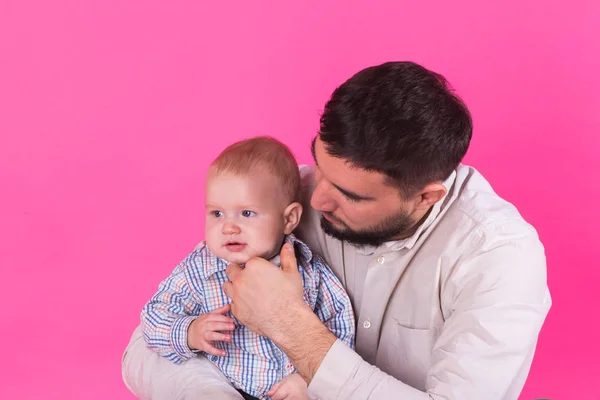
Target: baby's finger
219, 326
273, 389
216, 337
281, 393
222, 310
210, 349
219, 318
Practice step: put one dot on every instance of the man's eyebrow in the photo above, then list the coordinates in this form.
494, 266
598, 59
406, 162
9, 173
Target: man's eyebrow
312, 150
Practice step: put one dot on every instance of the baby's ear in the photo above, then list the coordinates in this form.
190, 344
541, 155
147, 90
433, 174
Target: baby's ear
291, 217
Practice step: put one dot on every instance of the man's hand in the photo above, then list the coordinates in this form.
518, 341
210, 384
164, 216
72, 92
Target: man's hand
265, 298
269, 301
208, 328
292, 387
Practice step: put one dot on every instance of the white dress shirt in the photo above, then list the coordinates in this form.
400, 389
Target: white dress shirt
452, 312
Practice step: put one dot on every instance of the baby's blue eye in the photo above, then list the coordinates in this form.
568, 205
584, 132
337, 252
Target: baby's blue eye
217, 213
248, 213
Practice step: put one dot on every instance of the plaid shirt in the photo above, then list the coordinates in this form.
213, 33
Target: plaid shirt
253, 363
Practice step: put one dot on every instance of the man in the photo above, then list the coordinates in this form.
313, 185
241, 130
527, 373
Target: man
447, 281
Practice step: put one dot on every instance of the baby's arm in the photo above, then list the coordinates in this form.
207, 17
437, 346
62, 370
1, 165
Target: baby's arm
167, 316
171, 320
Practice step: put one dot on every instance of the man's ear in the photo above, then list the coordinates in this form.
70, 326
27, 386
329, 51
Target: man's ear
430, 195
291, 217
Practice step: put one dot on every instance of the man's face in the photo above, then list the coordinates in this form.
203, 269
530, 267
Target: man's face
357, 205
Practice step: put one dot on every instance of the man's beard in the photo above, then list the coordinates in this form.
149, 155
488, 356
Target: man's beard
387, 230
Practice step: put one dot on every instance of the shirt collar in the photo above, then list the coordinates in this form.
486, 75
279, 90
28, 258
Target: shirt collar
214, 264
409, 242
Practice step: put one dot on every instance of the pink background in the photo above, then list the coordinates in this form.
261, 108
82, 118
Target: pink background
110, 112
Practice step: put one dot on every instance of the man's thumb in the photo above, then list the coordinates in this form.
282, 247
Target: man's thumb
288, 258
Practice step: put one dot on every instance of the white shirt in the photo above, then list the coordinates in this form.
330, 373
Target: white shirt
453, 312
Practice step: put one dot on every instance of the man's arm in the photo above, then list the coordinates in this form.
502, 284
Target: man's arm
269, 301
484, 345
334, 311
150, 375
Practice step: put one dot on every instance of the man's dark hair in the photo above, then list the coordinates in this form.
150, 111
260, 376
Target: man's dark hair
399, 119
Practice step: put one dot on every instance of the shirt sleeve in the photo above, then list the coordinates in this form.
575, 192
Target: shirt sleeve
333, 306
498, 298
168, 314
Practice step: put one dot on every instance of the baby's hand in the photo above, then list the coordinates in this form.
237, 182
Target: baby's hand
292, 387
205, 329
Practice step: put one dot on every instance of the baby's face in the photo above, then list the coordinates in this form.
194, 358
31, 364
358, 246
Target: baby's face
244, 216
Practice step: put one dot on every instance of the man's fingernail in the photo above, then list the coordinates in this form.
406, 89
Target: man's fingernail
289, 247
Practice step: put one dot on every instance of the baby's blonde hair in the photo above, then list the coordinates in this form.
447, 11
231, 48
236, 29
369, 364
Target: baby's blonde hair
262, 154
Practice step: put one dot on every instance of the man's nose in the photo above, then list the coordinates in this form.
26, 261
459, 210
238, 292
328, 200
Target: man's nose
230, 228
321, 200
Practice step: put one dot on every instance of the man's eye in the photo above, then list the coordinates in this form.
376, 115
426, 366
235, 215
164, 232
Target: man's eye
248, 213
350, 199
217, 213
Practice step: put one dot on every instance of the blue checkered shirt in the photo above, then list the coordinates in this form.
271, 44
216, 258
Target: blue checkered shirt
253, 363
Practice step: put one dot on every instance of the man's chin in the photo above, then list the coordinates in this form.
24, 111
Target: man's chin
366, 238
344, 233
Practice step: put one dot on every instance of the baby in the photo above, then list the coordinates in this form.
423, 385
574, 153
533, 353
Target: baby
252, 208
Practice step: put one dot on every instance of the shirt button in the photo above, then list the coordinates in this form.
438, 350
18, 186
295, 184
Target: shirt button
381, 259
366, 324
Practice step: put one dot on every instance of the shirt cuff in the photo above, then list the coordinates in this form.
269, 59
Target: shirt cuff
337, 368
179, 337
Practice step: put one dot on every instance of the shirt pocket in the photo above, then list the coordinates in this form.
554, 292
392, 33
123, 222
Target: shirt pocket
406, 353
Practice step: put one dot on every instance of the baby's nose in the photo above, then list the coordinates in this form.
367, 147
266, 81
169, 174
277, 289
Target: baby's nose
230, 228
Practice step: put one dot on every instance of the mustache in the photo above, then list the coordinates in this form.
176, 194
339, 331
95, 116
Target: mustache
333, 217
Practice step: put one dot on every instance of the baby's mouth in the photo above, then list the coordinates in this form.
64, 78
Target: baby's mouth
235, 246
